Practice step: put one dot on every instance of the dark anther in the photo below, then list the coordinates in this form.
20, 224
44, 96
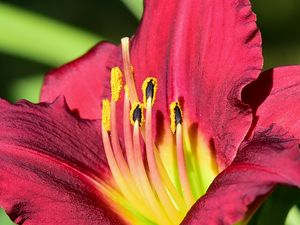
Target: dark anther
137, 114
178, 116
150, 90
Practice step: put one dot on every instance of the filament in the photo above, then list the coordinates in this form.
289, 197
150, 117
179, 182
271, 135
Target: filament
184, 180
154, 173
143, 179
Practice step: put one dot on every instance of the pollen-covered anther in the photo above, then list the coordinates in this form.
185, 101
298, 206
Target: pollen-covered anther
106, 123
175, 115
116, 83
136, 113
149, 89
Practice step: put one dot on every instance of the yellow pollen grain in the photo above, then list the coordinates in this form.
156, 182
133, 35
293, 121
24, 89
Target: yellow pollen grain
116, 83
106, 114
136, 105
173, 116
153, 80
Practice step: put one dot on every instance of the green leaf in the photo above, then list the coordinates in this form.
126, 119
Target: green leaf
4, 219
135, 6
26, 88
35, 37
276, 209
293, 217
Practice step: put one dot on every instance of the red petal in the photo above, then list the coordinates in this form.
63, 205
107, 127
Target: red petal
48, 161
271, 157
282, 107
83, 82
203, 53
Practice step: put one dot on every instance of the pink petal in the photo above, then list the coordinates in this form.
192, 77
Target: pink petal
48, 162
279, 92
83, 82
203, 53
271, 157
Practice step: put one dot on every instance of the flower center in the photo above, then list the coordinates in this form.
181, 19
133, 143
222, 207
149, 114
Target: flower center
146, 187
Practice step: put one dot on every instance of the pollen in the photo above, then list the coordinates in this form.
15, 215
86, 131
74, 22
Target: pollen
136, 113
116, 83
106, 114
175, 115
149, 89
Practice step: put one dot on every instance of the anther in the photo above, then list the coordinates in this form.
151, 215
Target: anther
106, 114
116, 83
136, 113
149, 89
175, 115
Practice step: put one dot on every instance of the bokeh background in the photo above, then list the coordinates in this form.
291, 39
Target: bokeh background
36, 36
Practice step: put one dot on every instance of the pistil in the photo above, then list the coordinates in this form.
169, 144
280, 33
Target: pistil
128, 70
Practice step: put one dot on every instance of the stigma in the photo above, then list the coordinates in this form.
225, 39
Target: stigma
143, 190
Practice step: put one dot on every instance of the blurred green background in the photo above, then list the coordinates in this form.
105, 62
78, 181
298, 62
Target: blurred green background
36, 36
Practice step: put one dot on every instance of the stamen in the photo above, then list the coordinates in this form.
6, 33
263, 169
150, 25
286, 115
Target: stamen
115, 140
185, 183
143, 179
116, 83
175, 115
154, 173
135, 157
116, 86
118, 176
176, 120
106, 114
132, 162
149, 89
128, 70
149, 92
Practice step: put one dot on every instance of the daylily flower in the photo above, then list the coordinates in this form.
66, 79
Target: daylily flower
207, 142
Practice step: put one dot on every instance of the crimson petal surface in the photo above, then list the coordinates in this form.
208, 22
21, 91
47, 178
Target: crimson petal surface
49, 163
83, 82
